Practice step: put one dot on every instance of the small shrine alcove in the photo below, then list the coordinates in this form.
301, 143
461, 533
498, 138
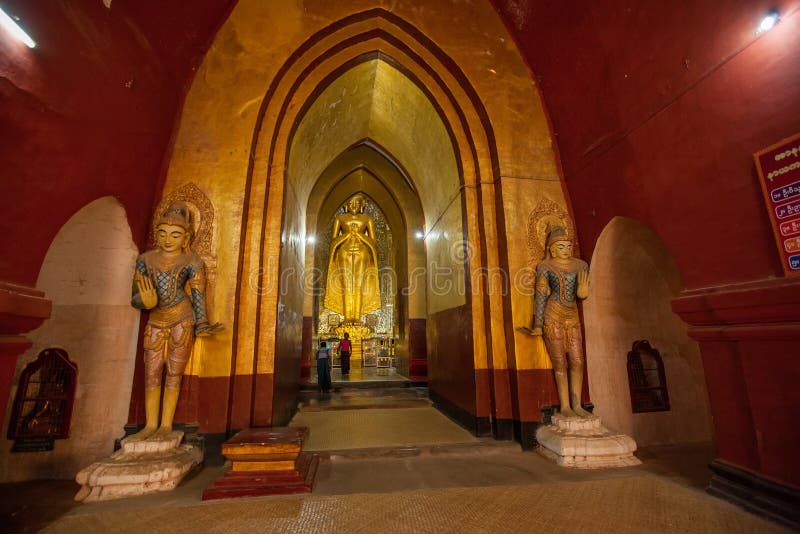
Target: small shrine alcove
633, 280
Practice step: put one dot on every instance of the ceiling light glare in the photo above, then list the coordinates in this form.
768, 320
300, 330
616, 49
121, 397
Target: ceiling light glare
311, 240
419, 234
769, 21
14, 29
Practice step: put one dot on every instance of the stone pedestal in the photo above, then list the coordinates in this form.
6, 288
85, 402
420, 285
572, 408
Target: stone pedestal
585, 443
155, 464
265, 461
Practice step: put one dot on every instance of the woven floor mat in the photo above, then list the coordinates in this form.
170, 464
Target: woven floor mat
631, 504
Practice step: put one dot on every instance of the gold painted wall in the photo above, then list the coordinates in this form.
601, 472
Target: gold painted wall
446, 254
338, 118
219, 118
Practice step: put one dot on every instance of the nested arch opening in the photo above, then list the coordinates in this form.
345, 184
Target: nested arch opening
380, 53
372, 130
369, 98
368, 93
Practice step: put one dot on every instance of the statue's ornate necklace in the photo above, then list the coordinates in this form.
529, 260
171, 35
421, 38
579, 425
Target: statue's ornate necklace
168, 263
561, 273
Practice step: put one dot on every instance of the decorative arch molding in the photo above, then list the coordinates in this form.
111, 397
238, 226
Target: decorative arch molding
235, 132
334, 197
383, 167
306, 73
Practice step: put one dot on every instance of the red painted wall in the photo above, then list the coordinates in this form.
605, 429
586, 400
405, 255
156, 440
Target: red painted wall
89, 112
657, 111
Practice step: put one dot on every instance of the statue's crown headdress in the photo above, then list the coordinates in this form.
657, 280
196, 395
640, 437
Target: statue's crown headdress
177, 214
555, 234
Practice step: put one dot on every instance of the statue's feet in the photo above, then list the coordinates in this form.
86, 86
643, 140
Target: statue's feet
162, 433
567, 412
143, 434
580, 412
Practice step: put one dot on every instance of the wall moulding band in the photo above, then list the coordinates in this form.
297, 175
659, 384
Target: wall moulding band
758, 302
22, 308
749, 336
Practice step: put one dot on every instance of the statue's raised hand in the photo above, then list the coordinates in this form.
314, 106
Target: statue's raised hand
146, 291
583, 284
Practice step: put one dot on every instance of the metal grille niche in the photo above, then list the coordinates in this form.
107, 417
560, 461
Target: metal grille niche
43, 404
646, 379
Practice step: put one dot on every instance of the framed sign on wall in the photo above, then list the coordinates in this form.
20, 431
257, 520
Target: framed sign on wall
779, 174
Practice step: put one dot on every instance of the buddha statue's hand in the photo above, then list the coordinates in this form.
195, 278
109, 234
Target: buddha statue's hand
367, 240
205, 329
339, 240
583, 285
146, 291
535, 331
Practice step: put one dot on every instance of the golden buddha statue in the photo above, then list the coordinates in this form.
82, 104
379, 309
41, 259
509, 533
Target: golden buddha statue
352, 288
170, 281
561, 279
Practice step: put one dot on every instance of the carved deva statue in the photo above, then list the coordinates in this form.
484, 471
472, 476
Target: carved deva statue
352, 285
561, 279
170, 281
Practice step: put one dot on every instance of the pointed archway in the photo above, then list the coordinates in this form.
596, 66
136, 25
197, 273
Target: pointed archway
461, 64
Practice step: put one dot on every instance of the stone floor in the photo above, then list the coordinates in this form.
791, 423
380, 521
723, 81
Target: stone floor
363, 398
398, 427
382, 375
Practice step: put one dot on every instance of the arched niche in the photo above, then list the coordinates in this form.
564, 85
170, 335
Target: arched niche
633, 280
367, 167
87, 273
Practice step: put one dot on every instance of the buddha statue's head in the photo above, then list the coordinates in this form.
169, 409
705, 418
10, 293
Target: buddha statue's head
355, 204
174, 229
559, 243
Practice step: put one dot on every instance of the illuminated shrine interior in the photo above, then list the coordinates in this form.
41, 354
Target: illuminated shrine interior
562, 239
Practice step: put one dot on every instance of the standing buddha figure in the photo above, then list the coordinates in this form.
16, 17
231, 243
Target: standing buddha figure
170, 281
352, 288
561, 279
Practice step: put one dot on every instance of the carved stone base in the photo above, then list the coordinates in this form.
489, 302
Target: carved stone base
139, 467
585, 444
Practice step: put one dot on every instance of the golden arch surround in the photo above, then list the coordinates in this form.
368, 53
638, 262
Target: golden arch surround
355, 39
220, 118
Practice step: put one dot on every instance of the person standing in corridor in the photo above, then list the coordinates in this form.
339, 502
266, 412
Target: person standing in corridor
345, 349
324, 367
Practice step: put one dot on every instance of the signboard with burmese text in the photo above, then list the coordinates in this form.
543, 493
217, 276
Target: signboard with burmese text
779, 173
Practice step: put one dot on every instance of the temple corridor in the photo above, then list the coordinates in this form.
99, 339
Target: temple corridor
425, 265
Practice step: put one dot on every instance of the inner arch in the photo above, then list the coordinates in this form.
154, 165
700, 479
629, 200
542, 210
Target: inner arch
377, 101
